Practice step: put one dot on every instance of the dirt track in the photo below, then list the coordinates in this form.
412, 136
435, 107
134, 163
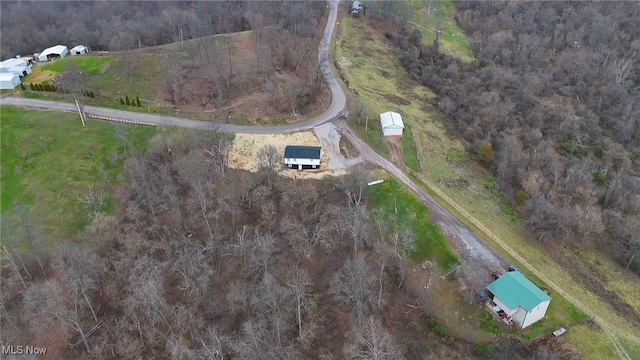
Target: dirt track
469, 245
478, 258
475, 249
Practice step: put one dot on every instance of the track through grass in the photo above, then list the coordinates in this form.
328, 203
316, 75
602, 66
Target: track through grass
379, 81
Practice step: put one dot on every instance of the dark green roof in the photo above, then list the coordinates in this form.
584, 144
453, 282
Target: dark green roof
302, 152
514, 290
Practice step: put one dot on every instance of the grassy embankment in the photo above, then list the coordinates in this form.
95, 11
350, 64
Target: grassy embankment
401, 209
379, 79
111, 77
47, 158
452, 41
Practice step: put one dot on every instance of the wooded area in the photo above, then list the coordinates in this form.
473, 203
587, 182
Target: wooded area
278, 57
29, 26
551, 107
203, 261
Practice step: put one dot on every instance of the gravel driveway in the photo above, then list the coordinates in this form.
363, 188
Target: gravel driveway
330, 139
478, 259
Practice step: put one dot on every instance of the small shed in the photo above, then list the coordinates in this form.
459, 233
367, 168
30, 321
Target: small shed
302, 157
79, 50
356, 6
17, 65
519, 298
54, 52
391, 123
9, 80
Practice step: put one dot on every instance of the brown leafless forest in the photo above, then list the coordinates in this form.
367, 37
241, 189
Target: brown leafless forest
203, 261
552, 107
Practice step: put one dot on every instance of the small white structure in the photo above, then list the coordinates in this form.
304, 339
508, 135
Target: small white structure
9, 80
302, 157
519, 298
17, 65
54, 52
356, 6
79, 50
391, 123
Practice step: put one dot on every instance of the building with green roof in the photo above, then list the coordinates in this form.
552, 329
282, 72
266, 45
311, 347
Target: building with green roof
519, 298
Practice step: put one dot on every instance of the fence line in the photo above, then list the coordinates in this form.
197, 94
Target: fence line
121, 121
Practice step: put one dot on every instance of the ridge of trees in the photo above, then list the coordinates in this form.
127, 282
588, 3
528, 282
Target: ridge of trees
552, 108
31, 26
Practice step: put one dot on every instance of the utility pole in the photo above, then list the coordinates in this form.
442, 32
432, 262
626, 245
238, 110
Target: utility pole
81, 112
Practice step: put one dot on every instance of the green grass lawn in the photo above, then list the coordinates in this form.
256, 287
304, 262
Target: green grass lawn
409, 152
90, 64
430, 242
134, 74
47, 158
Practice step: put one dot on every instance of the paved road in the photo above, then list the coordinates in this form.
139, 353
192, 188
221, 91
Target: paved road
335, 109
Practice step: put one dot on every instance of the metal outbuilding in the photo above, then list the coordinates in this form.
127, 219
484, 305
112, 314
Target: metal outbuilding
79, 50
9, 80
17, 65
391, 123
54, 52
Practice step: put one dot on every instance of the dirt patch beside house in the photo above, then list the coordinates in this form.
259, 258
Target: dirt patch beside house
244, 153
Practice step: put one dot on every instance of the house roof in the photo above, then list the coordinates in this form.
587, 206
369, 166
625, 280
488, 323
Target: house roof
514, 290
78, 48
391, 119
13, 62
58, 49
5, 76
302, 152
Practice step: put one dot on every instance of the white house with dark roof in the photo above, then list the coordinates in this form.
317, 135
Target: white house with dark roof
518, 298
302, 157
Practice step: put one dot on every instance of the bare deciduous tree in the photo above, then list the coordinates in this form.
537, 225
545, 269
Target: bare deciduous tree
23, 228
299, 282
213, 344
353, 285
373, 342
270, 300
270, 163
354, 223
354, 183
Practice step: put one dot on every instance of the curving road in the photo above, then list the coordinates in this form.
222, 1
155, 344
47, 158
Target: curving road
335, 109
456, 230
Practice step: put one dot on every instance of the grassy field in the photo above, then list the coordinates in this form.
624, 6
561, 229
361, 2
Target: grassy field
409, 151
402, 209
47, 158
93, 65
381, 85
452, 40
109, 78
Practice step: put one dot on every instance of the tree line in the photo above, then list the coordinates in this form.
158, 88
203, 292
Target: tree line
31, 26
551, 107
